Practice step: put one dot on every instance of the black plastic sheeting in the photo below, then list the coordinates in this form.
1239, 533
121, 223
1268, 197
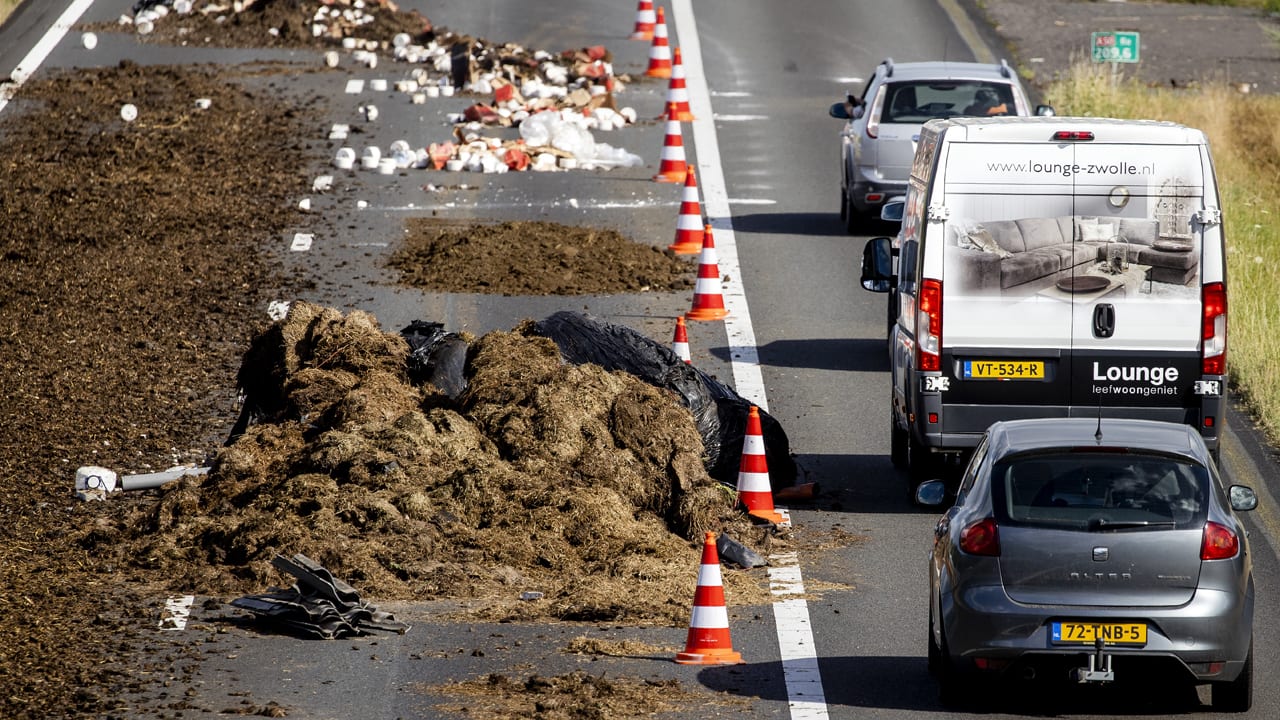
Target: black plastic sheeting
438, 357
720, 413
318, 605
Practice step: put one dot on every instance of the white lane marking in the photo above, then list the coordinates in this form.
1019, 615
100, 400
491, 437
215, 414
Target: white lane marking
848, 80
177, 609
726, 93
28, 65
737, 118
805, 696
301, 242
355, 86
339, 131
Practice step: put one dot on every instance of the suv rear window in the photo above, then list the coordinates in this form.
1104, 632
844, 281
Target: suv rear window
1100, 491
917, 102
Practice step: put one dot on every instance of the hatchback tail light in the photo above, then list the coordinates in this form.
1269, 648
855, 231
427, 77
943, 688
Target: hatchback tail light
1219, 542
981, 538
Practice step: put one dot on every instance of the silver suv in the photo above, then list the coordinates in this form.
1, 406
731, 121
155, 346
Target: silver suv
879, 137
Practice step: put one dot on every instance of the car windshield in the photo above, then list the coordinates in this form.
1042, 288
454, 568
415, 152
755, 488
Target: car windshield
917, 102
1100, 491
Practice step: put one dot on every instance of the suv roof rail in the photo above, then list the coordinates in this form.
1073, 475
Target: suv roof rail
888, 67
1005, 70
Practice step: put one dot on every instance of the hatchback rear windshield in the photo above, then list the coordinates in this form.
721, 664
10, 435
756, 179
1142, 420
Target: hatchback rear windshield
916, 102
1100, 492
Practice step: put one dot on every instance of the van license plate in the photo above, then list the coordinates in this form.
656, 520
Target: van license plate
1087, 633
1003, 369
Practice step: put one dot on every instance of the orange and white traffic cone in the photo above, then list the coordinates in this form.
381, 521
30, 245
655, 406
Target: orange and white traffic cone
645, 20
660, 50
689, 226
680, 341
673, 167
709, 642
754, 490
678, 91
708, 301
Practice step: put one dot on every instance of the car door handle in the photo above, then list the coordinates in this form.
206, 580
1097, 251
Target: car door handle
1104, 320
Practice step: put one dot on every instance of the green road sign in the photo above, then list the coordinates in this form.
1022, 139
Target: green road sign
1115, 47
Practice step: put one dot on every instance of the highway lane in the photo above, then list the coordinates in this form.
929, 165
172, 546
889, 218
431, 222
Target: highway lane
771, 70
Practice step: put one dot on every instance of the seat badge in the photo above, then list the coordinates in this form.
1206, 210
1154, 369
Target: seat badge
1101, 554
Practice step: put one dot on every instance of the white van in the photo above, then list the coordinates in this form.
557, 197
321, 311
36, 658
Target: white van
1059, 267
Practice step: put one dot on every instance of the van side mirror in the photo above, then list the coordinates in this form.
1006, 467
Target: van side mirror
893, 210
1045, 111
877, 265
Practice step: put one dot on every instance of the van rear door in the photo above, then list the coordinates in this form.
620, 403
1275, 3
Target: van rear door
1136, 343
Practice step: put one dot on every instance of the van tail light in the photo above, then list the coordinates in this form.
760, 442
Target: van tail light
1073, 135
1213, 328
929, 326
1219, 543
983, 538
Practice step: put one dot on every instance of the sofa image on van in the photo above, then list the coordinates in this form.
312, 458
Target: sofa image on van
1030, 254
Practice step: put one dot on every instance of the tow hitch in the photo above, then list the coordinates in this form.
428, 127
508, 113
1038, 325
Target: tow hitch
1099, 669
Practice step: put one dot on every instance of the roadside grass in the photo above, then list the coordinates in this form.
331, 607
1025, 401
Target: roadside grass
6, 8
1244, 137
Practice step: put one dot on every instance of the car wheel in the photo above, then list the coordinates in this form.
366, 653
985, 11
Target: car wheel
1235, 696
897, 443
920, 462
853, 220
953, 692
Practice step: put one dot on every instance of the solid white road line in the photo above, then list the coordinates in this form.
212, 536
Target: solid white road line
805, 695
29, 64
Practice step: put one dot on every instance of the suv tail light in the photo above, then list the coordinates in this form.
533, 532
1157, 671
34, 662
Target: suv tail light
1219, 543
1213, 328
983, 538
873, 119
929, 326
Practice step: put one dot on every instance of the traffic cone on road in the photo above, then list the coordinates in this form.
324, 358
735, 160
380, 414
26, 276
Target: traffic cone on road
689, 226
678, 91
660, 50
680, 341
645, 20
754, 490
708, 301
673, 167
709, 642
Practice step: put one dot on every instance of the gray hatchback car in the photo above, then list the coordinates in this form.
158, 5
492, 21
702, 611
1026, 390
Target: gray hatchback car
879, 138
1088, 550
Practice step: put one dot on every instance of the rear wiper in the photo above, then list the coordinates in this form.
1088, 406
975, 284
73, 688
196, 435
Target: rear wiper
1105, 524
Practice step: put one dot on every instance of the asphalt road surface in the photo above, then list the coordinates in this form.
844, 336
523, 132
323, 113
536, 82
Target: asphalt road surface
803, 340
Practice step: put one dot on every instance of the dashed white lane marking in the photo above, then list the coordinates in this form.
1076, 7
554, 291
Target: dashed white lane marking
805, 695
339, 131
177, 610
355, 86
738, 118
301, 242
28, 65
726, 93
